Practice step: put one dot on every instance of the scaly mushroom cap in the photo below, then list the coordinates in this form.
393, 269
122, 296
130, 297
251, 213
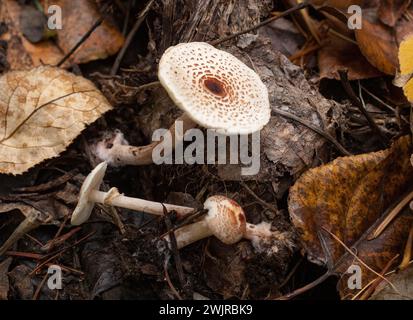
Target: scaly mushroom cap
84, 206
214, 88
225, 218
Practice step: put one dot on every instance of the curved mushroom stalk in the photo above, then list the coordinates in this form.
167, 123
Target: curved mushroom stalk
118, 152
90, 195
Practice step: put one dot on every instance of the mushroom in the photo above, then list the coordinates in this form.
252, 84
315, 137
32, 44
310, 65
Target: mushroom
213, 88
226, 221
90, 194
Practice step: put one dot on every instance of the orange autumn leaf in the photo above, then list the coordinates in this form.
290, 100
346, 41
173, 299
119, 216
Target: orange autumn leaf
406, 65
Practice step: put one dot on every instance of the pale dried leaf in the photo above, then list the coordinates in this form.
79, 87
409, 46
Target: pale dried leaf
41, 112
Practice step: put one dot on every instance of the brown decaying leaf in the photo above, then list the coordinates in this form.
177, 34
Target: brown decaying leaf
382, 52
337, 4
21, 53
403, 281
338, 54
347, 197
77, 19
390, 11
41, 112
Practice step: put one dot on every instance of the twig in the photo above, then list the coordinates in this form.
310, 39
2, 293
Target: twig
85, 36
174, 249
322, 133
389, 107
305, 288
57, 253
127, 12
31, 222
349, 90
50, 184
39, 287
407, 251
28, 255
360, 260
60, 239
391, 215
188, 219
168, 280
291, 273
262, 202
299, 6
130, 36
369, 289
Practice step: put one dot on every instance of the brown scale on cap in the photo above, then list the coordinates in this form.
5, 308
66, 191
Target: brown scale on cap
215, 88
225, 218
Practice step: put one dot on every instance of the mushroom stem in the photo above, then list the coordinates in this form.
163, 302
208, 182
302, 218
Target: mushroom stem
191, 233
225, 220
261, 231
118, 153
114, 198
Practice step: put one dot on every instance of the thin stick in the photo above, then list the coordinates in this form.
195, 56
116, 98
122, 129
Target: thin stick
168, 280
347, 87
130, 36
39, 287
392, 214
174, 249
407, 251
373, 285
262, 202
389, 107
322, 133
300, 6
360, 260
305, 288
85, 36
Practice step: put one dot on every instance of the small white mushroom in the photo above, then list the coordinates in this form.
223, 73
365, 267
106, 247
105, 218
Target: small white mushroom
213, 88
90, 194
226, 221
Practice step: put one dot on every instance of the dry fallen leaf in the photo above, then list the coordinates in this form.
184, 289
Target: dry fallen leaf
337, 4
77, 19
338, 54
41, 112
390, 11
348, 197
21, 53
403, 281
382, 52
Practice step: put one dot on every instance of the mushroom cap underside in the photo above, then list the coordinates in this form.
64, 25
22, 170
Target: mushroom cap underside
84, 206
